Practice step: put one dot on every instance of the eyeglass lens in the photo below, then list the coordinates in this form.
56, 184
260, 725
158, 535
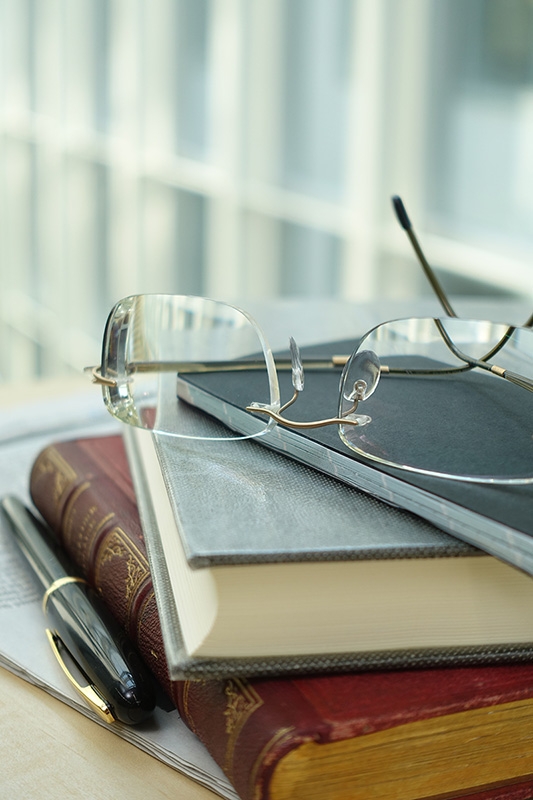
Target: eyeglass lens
436, 411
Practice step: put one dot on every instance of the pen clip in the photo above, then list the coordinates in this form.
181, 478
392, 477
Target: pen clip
90, 693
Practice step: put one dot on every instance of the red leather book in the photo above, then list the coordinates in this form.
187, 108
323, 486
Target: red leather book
440, 733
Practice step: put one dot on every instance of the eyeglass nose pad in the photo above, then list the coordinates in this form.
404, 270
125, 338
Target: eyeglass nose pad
364, 374
297, 366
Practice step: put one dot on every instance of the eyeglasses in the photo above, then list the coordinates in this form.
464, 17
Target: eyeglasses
443, 397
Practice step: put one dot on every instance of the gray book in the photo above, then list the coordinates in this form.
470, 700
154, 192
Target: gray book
264, 566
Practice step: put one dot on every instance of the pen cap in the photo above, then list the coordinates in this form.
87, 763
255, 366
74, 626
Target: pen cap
101, 649
95, 642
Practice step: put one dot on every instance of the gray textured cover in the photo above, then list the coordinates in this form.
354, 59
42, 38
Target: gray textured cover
236, 502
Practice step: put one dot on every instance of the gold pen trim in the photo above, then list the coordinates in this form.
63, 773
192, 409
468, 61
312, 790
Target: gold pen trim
90, 693
57, 585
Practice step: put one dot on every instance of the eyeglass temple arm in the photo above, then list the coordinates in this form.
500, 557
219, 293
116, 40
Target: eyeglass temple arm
405, 222
284, 364
512, 377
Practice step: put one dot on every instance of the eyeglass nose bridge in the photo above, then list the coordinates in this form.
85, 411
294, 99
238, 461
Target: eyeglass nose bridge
369, 367
257, 408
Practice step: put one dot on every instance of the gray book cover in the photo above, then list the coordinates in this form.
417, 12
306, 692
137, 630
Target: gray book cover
238, 503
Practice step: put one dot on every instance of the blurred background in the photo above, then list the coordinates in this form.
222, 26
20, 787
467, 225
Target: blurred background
243, 149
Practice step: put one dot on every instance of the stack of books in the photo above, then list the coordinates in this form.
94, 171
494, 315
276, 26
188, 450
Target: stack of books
321, 643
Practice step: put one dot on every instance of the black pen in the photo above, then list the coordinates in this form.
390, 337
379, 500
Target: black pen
82, 631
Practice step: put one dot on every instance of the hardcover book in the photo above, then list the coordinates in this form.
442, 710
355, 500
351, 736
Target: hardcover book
386, 735
495, 518
262, 566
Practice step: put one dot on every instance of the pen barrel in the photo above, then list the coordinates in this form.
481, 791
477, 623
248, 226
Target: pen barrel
101, 650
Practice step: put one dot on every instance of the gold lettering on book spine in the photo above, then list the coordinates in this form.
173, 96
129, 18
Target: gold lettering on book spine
185, 703
79, 525
52, 463
241, 702
74, 531
117, 545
